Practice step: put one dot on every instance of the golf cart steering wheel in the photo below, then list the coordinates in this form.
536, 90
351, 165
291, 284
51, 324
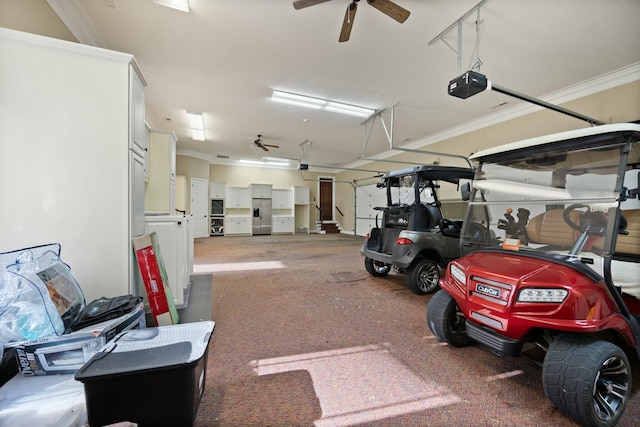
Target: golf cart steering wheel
594, 223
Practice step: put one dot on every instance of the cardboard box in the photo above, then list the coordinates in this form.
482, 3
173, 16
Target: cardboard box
168, 364
65, 354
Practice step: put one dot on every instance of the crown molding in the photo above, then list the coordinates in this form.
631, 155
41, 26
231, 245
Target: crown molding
73, 15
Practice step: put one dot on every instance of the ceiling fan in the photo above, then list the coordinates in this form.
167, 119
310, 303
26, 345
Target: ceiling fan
387, 7
258, 143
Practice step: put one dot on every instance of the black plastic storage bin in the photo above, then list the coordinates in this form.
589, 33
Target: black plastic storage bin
153, 377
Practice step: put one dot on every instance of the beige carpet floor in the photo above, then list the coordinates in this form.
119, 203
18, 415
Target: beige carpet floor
305, 336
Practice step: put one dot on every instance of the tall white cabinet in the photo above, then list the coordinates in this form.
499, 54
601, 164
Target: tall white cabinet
72, 147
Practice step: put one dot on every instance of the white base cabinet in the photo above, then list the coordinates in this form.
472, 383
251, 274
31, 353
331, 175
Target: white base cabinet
283, 224
175, 240
237, 225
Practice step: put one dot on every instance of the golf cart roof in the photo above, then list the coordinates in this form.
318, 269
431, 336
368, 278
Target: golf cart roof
562, 136
435, 173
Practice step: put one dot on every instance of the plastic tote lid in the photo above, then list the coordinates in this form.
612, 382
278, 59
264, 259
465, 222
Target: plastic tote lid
144, 350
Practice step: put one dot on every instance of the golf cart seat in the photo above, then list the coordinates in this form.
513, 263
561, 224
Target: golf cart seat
549, 228
625, 271
630, 244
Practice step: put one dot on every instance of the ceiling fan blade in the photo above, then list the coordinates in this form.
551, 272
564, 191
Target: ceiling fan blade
390, 9
271, 145
347, 23
263, 147
301, 4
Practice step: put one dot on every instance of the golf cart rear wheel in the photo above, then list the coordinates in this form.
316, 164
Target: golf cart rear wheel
376, 268
423, 277
588, 380
446, 321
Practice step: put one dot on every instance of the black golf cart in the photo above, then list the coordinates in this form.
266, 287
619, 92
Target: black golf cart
414, 236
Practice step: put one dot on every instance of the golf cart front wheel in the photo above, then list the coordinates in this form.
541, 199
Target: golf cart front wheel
376, 268
589, 380
446, 321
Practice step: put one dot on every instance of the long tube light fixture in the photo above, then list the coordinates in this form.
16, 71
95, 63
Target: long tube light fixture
264, 162
196, 125
181, 5
320, 104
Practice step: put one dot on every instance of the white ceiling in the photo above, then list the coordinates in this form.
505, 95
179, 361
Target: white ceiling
225, 57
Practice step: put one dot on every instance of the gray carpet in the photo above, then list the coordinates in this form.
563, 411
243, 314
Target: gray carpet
199, 305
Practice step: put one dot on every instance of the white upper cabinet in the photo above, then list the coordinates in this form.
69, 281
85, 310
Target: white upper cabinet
261, 191
282, 199
217, 190
237, 198
301, 195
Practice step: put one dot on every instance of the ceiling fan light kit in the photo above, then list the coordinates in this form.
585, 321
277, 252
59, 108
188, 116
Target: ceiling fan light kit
387, 7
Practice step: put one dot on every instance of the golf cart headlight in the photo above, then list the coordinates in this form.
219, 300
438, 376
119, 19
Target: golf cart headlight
542, 295
458, 274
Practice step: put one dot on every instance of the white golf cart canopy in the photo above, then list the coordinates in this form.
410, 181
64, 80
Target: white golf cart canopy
562, 136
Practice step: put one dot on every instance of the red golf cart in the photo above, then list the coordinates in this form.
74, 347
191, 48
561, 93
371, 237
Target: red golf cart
551, 265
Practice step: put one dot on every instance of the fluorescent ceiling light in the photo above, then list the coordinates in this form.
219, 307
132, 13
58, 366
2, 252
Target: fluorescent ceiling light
196, 121
197, 135
196, 125
182, 5
320, 104
263, 163
276, 159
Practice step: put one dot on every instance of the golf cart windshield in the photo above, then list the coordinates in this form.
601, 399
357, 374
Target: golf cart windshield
558, 199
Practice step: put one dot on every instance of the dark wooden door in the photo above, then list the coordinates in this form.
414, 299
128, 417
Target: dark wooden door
326, 199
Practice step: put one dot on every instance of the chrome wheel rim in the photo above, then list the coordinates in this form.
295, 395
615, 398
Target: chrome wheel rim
428, 277
610, 388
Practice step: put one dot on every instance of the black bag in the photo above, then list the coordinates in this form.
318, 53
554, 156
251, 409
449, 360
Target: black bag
104, 308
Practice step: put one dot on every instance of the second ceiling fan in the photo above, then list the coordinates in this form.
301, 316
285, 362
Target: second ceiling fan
260, 144
387, 7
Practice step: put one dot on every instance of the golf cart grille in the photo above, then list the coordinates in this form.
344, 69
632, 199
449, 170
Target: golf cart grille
483, 291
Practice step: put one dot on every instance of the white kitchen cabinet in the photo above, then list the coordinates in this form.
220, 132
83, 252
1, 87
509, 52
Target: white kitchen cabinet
301, 195
160, 194
237, 198
283, 224
147, 160
216, 190
282, 199
237, 225
71, 158
174, 239
261, 191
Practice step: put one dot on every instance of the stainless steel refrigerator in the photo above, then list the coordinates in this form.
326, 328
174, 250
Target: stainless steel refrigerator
261, 216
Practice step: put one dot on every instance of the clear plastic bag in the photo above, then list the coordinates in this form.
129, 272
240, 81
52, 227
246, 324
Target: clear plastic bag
38, 295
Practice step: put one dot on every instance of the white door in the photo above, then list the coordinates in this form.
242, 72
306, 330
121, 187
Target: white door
367, 198
200, 207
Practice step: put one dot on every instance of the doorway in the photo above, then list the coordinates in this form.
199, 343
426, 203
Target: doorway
200, 207
326, 198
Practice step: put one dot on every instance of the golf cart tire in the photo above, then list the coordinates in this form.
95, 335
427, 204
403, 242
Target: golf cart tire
423, 277
376, 268
587, 379
446, 321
